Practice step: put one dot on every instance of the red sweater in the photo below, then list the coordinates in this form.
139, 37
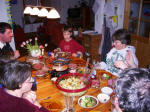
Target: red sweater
10, 103
72, 46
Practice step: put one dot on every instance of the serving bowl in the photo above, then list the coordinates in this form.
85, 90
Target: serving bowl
88, 101
40, 73
63, 54
73, 84
59, 67
38, 65
106, 90
61, 61
103, 98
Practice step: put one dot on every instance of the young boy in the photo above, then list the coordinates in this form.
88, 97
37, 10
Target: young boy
69, 44
121, 54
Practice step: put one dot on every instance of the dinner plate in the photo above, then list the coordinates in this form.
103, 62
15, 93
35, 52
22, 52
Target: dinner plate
60, 61
53, 105
38, 65
105, 73
40, 73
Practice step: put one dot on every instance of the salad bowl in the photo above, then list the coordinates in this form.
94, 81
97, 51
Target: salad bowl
88, 101
73, 84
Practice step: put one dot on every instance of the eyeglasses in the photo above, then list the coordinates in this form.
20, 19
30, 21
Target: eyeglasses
30, 81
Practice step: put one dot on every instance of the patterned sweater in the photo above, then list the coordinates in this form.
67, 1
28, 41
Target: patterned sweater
115, 55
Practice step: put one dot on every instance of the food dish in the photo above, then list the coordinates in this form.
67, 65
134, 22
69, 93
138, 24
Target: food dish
106, 90
52, 105
38, 65
88, 101
79, 62
82, 70
77, 90
60, 68
40, 73
103, 98
61, 61
63, 54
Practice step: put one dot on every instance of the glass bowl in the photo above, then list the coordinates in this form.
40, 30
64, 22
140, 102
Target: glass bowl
73, 84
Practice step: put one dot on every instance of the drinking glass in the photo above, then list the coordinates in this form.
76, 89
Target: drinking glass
113, 109
68, 104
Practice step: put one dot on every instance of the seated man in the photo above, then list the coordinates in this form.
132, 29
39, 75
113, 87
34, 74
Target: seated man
132, 90
69, 44
5, 37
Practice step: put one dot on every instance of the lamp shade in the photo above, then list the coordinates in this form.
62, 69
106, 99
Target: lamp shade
53, 14
35, 11
43, 12
27, 10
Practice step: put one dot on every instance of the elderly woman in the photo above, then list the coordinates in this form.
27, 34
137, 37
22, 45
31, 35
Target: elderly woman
16, 94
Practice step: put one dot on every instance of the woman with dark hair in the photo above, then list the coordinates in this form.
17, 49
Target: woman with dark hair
122, 55
16, 94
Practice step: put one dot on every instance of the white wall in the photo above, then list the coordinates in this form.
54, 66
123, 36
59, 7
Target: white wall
99, 17
62, 7
3, 14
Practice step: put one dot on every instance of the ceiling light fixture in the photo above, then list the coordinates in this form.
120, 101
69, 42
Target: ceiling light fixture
53, 14
43, 12
27, 10
35, 11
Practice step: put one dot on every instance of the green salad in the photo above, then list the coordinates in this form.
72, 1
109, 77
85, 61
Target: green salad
87, 101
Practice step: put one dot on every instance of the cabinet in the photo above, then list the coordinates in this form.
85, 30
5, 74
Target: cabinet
83, 19
91, 45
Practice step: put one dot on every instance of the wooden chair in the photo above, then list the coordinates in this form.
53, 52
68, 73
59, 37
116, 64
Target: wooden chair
142, 46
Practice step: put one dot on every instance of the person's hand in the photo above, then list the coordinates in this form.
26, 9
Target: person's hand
130, 60
31, 97
117, 105
120, 64
57, 50
16, 54
74, 55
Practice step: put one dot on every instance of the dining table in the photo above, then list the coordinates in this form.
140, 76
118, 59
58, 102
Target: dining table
48, 93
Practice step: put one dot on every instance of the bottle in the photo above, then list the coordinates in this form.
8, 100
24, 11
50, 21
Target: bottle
34, 85
94, 78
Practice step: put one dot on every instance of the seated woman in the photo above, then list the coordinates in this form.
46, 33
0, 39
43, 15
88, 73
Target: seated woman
16, 94
69, 44
121, 54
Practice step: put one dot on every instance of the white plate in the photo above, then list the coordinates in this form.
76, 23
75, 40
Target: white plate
94, 98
